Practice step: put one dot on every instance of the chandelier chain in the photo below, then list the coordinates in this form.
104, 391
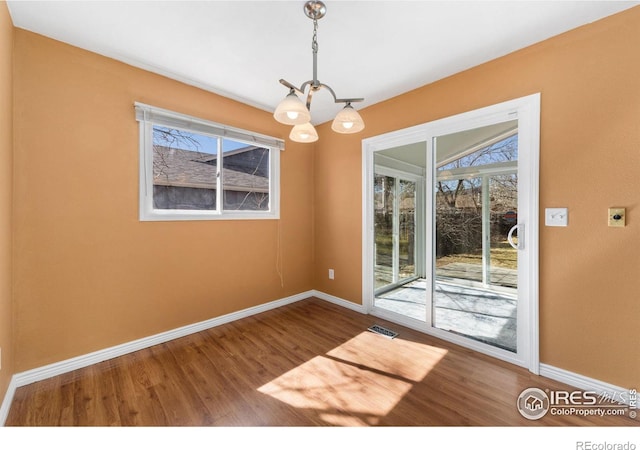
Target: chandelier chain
314, 42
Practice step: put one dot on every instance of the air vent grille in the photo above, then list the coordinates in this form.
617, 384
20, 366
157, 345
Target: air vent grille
382, 331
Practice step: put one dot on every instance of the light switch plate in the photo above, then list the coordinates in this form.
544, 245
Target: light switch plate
617, 217
556, 217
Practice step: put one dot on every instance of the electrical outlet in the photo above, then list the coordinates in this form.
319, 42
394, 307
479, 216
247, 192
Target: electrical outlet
331, 274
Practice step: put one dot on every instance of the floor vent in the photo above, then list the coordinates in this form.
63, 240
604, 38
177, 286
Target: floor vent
382, 331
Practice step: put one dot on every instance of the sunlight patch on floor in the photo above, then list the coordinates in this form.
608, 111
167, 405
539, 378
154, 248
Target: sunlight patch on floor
358, 382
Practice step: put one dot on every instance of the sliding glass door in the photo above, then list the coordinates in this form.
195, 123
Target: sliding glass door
467, 270
476, 208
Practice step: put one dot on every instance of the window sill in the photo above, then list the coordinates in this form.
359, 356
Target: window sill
179, 215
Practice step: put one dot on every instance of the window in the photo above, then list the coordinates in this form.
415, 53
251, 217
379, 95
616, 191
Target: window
192, 169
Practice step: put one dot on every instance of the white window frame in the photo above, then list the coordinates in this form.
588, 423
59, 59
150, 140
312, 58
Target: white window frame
148, 116
398, 174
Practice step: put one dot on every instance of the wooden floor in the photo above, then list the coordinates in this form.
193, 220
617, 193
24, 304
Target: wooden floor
311, 363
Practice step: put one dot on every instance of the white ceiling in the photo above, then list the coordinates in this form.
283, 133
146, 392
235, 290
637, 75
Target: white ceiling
370, 49
449, 145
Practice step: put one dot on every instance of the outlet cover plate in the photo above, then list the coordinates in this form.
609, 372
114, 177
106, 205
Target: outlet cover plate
617, 217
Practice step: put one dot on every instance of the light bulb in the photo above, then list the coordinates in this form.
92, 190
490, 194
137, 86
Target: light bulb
291, 111
304, 133
347, 121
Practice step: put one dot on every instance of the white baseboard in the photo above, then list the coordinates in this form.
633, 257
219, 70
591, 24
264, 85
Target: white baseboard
68, 365
51, 370
42, 373
584, 383
6, 403
339, 301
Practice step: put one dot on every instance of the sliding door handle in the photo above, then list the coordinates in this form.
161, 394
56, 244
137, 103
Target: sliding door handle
520, 244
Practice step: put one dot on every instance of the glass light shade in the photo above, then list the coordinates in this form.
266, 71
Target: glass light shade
347, 121
291, 111
304, 133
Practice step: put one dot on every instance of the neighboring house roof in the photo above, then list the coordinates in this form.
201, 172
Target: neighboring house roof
186, 168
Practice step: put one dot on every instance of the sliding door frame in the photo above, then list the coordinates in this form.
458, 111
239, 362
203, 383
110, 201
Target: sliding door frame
527, 111
419, 226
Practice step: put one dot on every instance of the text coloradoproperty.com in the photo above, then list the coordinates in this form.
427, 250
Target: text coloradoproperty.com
572, 410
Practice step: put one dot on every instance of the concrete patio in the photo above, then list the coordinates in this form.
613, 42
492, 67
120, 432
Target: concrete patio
480, 314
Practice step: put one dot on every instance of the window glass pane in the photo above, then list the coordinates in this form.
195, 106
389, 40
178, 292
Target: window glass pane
407, 228
459, 229
245, 176
184, 170
502, 151
384, 198
193, 169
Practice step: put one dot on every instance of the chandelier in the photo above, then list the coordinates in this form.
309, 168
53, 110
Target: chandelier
291, 110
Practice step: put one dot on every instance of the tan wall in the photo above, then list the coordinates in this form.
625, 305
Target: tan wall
589, 80
88, 274
6, 180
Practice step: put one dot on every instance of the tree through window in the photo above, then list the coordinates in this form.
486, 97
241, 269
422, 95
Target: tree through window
195, 171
